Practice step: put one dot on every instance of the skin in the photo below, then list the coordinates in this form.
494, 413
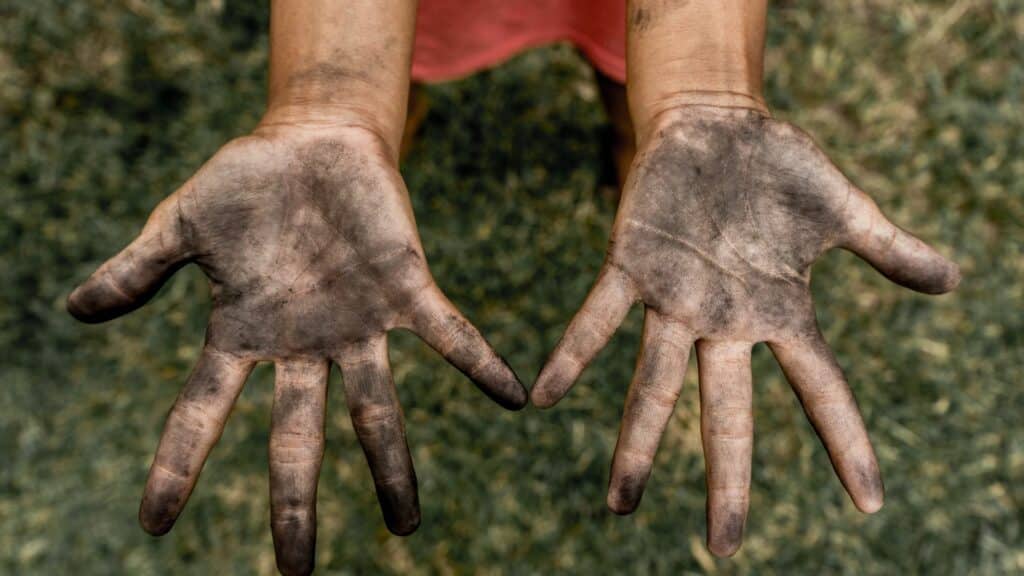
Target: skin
723, 214
305, 231
311, 250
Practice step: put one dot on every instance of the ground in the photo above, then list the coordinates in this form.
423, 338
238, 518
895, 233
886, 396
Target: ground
105, 107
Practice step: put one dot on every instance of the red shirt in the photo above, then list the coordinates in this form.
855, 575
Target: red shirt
455, 38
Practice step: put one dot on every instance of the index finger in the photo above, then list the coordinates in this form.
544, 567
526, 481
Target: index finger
600, 316
445, 329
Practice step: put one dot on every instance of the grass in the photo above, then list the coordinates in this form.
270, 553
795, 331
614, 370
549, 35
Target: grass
107, 106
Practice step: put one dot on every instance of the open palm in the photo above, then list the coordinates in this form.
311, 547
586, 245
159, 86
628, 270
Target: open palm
723, 215
310, 245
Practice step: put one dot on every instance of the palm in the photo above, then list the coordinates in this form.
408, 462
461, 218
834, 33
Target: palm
729, 220
723, 215
311, 249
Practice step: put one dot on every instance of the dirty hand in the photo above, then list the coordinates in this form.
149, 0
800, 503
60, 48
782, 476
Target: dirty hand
723, 215
309, 242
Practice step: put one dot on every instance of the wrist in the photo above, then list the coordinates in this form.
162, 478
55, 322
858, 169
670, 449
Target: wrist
338, 64
730, 97
666, 122
704, 52
648, 113
333, 118
318, 122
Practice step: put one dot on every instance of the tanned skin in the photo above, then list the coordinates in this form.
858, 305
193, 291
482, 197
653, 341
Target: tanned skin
305, 231
723, 214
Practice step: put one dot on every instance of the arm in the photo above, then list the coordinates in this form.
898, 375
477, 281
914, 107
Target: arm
723, 214
698, 52
307, 236
341, 64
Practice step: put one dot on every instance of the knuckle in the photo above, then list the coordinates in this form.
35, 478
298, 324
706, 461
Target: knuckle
375, 416
193, 417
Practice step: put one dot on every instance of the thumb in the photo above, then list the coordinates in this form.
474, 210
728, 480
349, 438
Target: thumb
133, 276
897, 254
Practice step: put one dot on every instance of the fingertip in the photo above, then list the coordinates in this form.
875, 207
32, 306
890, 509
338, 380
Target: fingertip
512, 395
869, 496
870, 502
620, 508
955, 276
517, 400
932, 275
80, 304
625, 489
294, 535
404, 526
156, 530
509, 393
302, 567
74, 306
724, 548
129, 279
162, 501
542, 398
621, 503
870, 505
98, 300
937, 275
725, 536
553, 382
155, 520
951, 277
295, 546
400, 505
907, 260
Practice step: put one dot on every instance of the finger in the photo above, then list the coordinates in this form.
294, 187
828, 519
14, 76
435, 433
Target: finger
599, 317
897, 254
193, 426
296, 452
443, 328
819, 383
727, 432
377, 419
651, 399
133, 276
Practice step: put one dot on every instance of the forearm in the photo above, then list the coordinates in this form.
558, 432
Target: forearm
335, 62
698, 52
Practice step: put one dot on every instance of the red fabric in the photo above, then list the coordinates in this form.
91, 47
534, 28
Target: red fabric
455, 38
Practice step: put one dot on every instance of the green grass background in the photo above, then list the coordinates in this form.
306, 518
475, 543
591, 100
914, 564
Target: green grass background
106, 106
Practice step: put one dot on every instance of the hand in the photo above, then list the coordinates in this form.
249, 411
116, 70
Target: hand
723, 214
311, 249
